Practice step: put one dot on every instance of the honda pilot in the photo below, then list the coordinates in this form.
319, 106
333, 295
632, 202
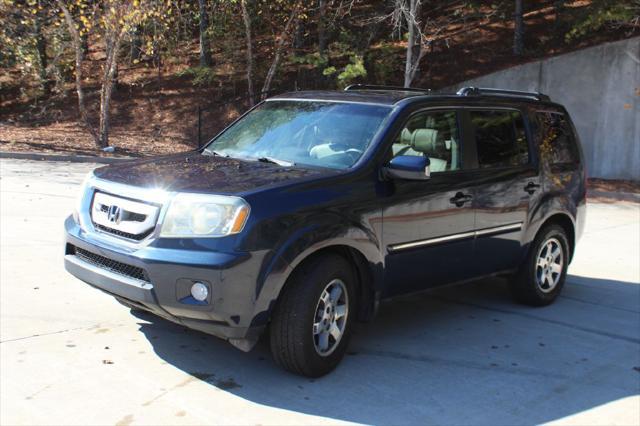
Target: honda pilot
312, 207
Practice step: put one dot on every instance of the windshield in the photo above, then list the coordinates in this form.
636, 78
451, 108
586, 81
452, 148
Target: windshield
316, 133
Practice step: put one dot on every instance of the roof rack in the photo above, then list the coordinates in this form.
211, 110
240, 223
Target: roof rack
477, 91
379, 87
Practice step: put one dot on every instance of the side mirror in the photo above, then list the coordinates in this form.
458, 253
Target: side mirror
408, 167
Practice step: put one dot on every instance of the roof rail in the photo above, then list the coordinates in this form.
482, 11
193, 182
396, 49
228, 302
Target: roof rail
380, 87
477, 91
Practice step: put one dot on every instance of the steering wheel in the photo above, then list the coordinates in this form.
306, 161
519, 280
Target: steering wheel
354, 154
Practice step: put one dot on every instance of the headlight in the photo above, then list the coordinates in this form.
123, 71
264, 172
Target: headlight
80, 198
201, 215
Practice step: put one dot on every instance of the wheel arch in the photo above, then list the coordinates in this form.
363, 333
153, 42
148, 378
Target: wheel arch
357, 246
566, 222
367, 296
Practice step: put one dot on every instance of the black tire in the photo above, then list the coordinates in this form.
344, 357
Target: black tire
292, 338
525, 284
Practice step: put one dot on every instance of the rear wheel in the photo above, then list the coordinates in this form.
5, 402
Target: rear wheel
541, 277
311, 324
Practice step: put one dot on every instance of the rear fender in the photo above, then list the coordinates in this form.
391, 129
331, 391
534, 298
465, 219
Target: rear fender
549, 205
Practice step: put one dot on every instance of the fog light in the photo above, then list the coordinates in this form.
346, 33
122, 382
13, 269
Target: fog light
199, 292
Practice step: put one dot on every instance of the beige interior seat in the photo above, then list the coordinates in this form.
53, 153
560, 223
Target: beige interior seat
403, 146
426, 141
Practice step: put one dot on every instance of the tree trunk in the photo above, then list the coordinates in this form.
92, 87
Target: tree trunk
278, 53
415, 50
247, 28
79, 56
558, 25
136, 45
41, 47
108, 82
518, 35
84, 43
322, 26
298, 40
205, 51
409, 59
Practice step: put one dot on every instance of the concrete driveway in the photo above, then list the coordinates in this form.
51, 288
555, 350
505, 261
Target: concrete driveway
467, 355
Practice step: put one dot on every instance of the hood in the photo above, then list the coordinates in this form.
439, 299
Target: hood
195, 172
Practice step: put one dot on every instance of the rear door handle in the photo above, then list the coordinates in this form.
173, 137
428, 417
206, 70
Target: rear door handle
531, 187
460, 199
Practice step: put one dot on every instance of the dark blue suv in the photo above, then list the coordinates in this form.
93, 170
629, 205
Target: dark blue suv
312, 207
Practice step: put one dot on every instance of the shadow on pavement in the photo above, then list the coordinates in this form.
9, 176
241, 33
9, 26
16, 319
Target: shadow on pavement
458, 355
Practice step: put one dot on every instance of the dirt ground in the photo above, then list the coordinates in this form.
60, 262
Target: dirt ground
154, 111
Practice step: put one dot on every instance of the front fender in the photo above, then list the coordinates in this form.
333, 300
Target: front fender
328, 231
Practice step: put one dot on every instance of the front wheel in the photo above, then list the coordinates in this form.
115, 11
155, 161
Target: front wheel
541, 277
311, 324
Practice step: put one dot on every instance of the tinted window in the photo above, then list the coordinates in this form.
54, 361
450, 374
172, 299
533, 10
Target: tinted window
433, 134
557, 145
327, 134
500, 138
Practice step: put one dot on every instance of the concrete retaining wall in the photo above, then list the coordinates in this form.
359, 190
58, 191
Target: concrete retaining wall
600, 87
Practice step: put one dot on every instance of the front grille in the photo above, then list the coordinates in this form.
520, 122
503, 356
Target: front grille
132, 216
110, 264
123, 217
122, 234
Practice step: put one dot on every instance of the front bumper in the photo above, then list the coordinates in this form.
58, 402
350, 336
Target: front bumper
169, 274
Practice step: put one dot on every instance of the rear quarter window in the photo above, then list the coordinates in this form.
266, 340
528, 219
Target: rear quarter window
500, 138
557, 142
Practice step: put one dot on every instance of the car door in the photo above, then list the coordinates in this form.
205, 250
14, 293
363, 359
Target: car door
428, 225
505, 184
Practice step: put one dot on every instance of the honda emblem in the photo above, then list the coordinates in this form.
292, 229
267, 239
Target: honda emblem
113, 214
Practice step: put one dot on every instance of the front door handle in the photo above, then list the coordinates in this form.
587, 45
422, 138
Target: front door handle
460, 199
531, 187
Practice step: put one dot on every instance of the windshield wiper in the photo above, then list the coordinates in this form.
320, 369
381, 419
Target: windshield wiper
272, 160
217, 153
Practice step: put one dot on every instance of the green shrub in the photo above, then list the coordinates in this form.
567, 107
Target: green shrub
352, 71
316, 60
605, 13
200, 76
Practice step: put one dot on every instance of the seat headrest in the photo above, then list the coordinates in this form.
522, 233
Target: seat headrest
425, 141
430, 122
405, 136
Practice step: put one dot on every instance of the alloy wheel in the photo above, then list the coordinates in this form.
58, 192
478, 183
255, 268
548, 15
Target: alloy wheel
330, 317
549, 264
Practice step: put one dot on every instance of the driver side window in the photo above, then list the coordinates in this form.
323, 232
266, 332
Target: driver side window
433, 134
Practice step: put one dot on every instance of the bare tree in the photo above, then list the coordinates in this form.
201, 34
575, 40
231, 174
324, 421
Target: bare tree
322, 26
118, 18
205, 50
41, 46
408, 12
114, 31
518, 34
135, 51
298, 35
247, 30
278, 52
76, 41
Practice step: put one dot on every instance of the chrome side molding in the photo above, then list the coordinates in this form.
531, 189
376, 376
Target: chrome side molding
455, 237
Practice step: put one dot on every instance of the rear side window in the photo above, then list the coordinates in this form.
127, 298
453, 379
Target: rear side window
500, 138
557, 144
